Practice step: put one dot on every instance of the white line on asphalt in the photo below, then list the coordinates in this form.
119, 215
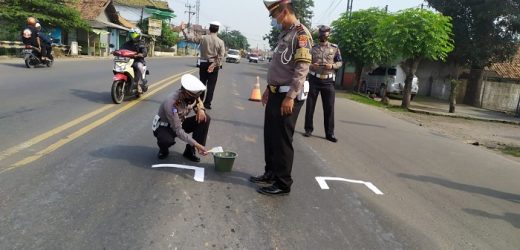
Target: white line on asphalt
322, 181
199, 172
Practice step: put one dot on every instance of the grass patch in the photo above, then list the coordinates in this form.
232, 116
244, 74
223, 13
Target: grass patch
514, 151
369, 101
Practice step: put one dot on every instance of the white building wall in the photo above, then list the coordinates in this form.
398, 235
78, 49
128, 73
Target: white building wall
131, 14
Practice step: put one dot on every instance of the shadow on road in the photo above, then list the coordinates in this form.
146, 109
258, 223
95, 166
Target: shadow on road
238, 123
17, 65
146, 157
464, 187
98, 97
362, 124
512, 218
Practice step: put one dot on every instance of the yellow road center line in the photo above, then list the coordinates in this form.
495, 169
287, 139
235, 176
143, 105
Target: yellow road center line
39, 138
89, 127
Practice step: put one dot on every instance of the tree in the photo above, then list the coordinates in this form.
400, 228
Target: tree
485, 32
303, 11
52, 12
359, 39
414, 35
234, 40
168, 38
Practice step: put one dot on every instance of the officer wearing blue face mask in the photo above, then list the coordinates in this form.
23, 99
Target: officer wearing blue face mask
172, 120
286, 76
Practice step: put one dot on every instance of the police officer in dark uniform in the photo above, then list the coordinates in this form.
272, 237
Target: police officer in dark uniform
212, 52
326, 60
285, 77
172, 120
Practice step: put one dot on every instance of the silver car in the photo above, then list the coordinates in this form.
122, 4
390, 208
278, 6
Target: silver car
391, 77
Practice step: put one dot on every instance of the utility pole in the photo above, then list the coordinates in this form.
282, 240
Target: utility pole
386, 8
190, 13
197, 9
349, 8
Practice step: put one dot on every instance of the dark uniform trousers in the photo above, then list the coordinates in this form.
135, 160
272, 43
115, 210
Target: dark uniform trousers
210, 80
166, 135
326, 88
278, 138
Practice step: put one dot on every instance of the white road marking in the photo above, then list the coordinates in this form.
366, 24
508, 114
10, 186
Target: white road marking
322, 181
199, 172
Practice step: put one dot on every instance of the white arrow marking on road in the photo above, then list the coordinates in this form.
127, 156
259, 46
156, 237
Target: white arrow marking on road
199, 172
322, 181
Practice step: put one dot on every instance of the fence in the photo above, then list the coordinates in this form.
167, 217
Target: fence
16, 45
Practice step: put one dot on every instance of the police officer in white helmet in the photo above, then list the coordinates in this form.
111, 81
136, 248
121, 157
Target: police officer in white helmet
172, 120
212, 53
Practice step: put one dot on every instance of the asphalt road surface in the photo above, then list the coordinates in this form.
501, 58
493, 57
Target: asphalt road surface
76, 173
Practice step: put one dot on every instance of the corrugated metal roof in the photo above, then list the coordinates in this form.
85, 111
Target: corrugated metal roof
508, 70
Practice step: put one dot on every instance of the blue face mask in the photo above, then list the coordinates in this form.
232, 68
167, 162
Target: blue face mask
275, 24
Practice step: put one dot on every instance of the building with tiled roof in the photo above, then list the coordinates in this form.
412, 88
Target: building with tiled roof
506, 70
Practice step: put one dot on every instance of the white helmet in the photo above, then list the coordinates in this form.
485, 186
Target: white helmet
192, 84
215, 23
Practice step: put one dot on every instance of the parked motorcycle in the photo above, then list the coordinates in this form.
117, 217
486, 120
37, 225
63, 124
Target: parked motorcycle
124, 82
32, 57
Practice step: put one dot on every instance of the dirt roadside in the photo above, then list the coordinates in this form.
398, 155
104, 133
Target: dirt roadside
495, 136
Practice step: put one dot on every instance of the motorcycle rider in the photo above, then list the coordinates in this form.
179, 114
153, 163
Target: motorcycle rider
45, 42
30, 34
137, 44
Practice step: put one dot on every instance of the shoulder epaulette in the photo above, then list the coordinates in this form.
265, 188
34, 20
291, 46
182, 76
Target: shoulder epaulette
334, 45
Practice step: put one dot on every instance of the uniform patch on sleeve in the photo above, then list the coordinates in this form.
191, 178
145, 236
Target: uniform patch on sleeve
303, 41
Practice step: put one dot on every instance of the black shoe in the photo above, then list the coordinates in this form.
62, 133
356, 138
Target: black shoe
273, 190
189, 153
207, 107
162, 155
307, 133
262, 179
331, 138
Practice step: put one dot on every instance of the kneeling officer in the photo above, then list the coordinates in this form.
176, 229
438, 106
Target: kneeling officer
172, 121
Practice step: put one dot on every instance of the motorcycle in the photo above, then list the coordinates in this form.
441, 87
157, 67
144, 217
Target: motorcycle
124, 82
32, 57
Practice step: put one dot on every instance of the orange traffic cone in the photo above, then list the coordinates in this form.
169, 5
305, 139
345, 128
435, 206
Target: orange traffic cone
255, 93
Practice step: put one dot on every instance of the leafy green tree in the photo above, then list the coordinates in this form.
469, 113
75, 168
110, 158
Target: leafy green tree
359, 39
414, 35
303, 11
52, 12
485, 32
168, 37
234, 40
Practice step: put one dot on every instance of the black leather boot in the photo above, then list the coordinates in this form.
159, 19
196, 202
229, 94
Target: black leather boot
190, 154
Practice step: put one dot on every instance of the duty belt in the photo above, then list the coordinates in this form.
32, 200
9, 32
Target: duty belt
207, 60
322, 76
279, 89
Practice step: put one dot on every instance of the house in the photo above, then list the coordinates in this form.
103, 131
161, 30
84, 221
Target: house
136, 10
108, 27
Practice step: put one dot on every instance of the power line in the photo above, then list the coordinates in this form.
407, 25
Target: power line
190, 13
324, 14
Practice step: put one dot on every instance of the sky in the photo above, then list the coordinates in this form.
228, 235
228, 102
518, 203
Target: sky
251, 18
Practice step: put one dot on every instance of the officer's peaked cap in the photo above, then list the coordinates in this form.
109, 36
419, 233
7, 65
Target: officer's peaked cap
324, 28
215, 23
192, 84
272, 5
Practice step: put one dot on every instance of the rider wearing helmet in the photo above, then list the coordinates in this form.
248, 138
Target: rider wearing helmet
45, 42
137, 44
29, 34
